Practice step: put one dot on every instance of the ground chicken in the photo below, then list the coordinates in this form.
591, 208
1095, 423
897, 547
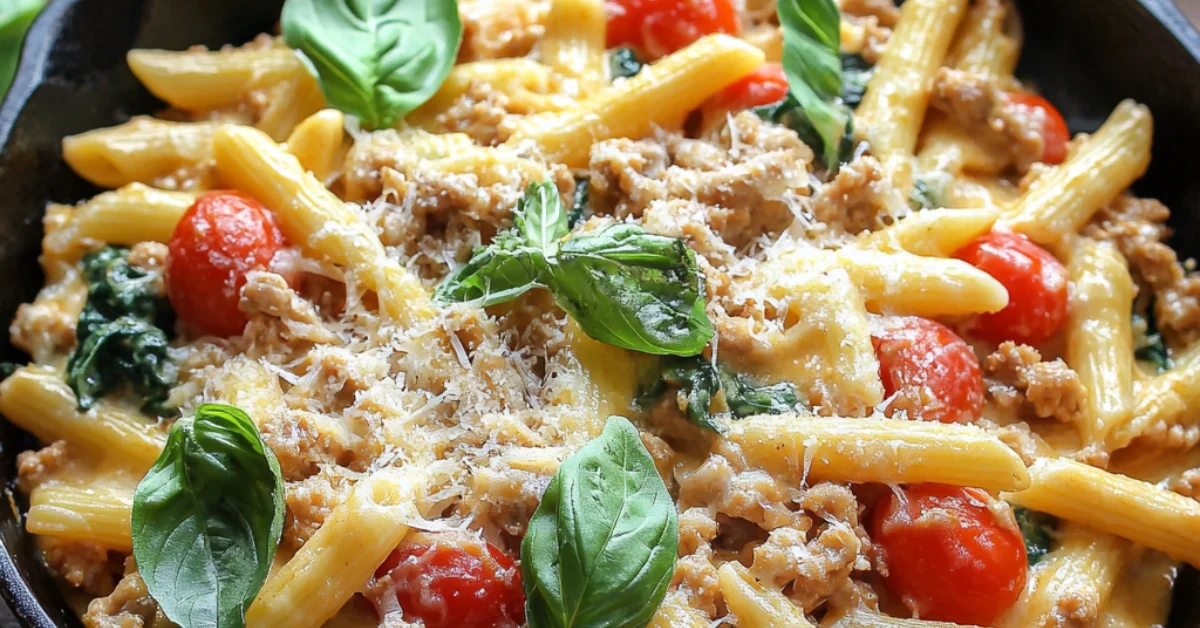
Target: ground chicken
814, 570
1016, 376
885, 11
696, 577
751, 495
269, 294
128, 606
860, 198
981, 106
483, 113
309, 502
1137, 226
36, 466
493, 30
1187, 484
43, 329
84, 566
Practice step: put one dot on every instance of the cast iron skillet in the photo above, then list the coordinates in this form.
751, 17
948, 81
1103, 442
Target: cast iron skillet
1084, 56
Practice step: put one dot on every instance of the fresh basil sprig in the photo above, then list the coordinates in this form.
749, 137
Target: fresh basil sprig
623, 286
207, 518
699, 382
376, 59
1037, 529
812, 63
601, 546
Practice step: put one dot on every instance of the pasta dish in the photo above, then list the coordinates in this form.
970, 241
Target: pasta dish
611, 313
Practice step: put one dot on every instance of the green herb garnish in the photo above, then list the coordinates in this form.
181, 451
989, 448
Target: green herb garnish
624, 63
120, 334
600, 550
1038, 531
375, 59
579, 205
1150, 346
856, 73
622, 285
207, 519
699, 381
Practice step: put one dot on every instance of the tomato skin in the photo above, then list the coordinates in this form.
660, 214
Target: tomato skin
764, 86
947, 555
925, 360
456, 581
1037, 288
660, 27
1054, 132
219, 239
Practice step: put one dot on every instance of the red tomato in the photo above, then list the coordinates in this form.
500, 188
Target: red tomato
1054, 132
764, 86
456, 581
927, 362
1036, 284
948, 556
219, 239
659, 27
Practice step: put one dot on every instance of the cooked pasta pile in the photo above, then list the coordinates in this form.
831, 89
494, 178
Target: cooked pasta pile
682, 313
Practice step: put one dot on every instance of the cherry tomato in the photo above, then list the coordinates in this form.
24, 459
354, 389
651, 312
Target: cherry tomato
948, 556
764, 86
659, 27
925, 361
219, 239
456, 581
1036, 284
1054, 132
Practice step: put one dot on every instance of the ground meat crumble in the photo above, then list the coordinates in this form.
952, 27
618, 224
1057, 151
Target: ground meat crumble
1016, 377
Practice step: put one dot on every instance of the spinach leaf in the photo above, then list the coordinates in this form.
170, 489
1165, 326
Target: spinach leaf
601, 546
7, 369
207, 518
856, 73
633, 290
1150, 347
376, 59
812, 63
1038, 531
120, 334
579, 206
622, 285
699, 382
926, 194
624, 63
541, 218
15, 18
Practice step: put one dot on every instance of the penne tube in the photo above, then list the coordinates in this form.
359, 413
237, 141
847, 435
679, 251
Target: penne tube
756, 605
290, 102
1142, 594
126, 216
85, 515
662, 94
143, 150
902, 283
1165, 400
864, 618
985, 44
1099, 335
808, 449
574, 42
933, 232
1119, 505
317, 143
200, 80
36, 400
675, 612
1061, 201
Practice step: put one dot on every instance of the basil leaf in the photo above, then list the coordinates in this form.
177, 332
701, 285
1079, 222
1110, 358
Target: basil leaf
1038, 531
633, 290
15, 18
376, 59
600, 549
1150, 347
579, 206
856, 73
745, 397
624, 63
499, 272
811, 61
541, 217
699, 382
207, 518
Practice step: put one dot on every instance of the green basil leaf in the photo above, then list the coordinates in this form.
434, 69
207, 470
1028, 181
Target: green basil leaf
499, 272
699, 382
541, 217
15, 18
812, 63
579, 206
376, 59
207, 518
634, 290
745, 397
1038, 531
856, 74
624, 63
601, 546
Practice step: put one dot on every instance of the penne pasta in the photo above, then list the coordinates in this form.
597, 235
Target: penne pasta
86, 515
143, 150
756, 605
933, 232
317, 143
573, 45
200, 80
134, 213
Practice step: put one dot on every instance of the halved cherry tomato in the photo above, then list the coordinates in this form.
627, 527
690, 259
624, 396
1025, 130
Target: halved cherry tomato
764, 86
219, 239
929, 364
1054, 132
948, 556
660, 27
1036, 284
456, 581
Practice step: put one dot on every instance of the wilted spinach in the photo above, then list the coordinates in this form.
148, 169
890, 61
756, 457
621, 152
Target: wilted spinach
856, 73
622, 285
601, 546
1038, 531
624, 63
1150, 346
120, 334
699, 381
